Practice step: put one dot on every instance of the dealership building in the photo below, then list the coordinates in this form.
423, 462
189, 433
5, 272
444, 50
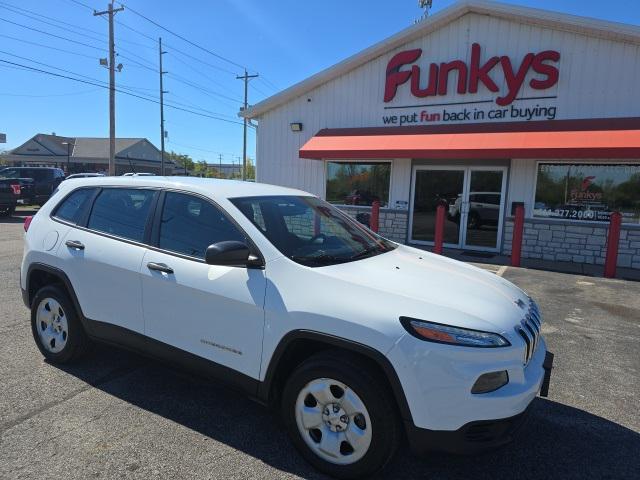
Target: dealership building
483, 105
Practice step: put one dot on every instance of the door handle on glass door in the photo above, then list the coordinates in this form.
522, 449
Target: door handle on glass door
75, 244
159, 267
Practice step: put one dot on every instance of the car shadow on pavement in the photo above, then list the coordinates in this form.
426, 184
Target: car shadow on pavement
557, 442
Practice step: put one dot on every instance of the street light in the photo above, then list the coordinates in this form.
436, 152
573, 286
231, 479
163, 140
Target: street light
69, 145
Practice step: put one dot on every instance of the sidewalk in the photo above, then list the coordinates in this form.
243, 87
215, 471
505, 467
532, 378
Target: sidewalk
486, 258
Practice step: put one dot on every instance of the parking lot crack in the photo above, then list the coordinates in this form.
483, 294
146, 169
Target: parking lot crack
112, 375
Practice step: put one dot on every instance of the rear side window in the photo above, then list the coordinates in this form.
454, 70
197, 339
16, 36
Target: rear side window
72, 207
39, 175
190, 224
121, 212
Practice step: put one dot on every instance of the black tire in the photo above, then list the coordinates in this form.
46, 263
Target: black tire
7, 211
77, 342
365, 381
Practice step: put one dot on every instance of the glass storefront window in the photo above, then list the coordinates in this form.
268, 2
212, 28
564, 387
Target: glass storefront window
588, 192
356, 183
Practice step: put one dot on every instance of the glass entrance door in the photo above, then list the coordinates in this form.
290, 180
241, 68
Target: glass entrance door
430, 186
484, 208
475, 206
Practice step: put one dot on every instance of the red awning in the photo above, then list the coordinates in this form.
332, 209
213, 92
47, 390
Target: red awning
603, 138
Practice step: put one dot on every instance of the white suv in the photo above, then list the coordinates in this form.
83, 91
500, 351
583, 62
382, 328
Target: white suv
357, 340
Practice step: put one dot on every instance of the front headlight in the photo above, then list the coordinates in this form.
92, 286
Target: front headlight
439, 333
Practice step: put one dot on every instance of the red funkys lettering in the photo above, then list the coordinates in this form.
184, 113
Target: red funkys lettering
542, 68
470, 76
443, 79
395, 77
514, 80
432, 87
481, 74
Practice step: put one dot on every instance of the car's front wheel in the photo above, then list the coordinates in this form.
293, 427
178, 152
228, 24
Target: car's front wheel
340, 415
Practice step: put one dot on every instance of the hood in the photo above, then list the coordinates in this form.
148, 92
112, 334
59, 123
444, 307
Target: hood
422, 285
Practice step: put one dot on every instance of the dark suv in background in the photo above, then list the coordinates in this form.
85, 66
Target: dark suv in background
45, 181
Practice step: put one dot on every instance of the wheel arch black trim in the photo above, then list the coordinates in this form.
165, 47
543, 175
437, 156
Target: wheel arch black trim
27, 297
265, 389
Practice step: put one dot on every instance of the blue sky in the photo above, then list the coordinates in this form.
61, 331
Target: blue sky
285, 41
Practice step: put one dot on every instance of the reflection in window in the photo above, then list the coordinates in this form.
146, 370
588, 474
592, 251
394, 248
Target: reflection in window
356, 183
190, 224
588, 191
73, 206
121, 212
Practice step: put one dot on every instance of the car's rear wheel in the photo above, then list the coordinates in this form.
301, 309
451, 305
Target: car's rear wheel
340, 415
56, 327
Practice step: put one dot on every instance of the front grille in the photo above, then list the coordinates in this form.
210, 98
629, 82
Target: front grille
529, 330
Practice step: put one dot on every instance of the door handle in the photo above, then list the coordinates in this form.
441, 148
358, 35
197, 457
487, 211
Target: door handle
75, 244
159, 267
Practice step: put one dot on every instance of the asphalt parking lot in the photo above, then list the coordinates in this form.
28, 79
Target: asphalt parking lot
118, 415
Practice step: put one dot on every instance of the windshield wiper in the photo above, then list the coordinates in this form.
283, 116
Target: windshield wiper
365, 253
322, 258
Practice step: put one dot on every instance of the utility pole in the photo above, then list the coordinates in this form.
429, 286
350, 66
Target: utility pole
220, 165
246, 78
112, 87
162, 92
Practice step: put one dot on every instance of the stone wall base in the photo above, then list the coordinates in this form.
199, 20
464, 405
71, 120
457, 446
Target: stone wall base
573, 242
393, 224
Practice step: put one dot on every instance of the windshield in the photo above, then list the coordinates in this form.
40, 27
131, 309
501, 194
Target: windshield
9, 173
310, 231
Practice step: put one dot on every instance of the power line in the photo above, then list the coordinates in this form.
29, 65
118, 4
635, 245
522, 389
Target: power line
33, 15
269, 83
52, 35
200, 87
204, 75
126, 87
47, 46
91, 9
182, 38
119, 91
84, 92
123, 56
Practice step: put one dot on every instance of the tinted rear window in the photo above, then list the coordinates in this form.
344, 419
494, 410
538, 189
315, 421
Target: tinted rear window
121, 212
72, 207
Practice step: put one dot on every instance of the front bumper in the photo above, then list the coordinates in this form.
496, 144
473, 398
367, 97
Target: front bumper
476, 436
437, 379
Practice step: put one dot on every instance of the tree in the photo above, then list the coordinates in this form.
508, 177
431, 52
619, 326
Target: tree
251, 169
184, 163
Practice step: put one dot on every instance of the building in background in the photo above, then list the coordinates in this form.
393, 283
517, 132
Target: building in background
482, 105
82, 154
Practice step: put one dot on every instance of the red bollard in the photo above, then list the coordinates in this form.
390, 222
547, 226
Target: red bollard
375, 216
613, 239
438, 239
518, 230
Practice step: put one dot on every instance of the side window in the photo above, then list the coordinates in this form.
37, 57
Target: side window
121, 212
72, 207
189, 224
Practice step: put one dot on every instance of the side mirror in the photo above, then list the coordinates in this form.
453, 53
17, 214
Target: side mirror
229, 253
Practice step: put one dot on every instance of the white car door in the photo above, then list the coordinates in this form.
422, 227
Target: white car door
215, 312
102, 260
